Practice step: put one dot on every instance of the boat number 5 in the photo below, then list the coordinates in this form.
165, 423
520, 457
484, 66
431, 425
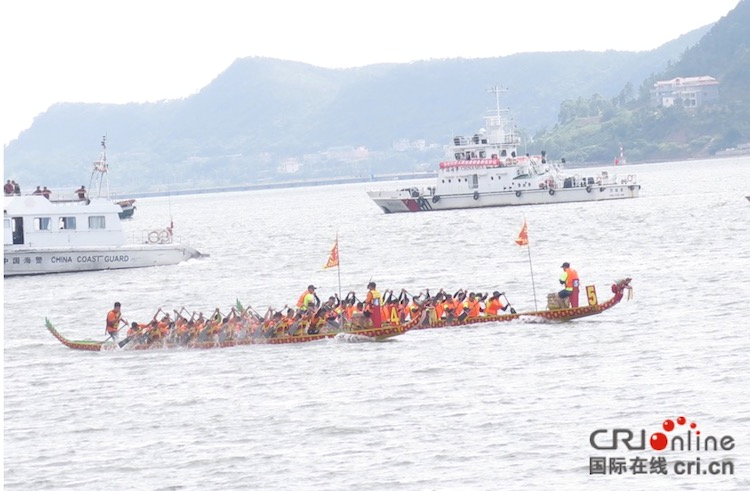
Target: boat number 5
591, 294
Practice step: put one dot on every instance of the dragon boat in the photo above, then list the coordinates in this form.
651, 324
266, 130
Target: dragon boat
381, 333
554, 315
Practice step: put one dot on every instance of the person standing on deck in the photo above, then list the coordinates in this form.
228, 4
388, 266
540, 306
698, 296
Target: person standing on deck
308, 299
372, 304
569, 278
114, 319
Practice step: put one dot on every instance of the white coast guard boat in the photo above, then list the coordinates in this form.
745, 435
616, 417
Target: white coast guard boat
62, 235
487, 170
46, 237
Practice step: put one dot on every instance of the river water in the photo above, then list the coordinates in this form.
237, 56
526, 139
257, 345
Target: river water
499, 406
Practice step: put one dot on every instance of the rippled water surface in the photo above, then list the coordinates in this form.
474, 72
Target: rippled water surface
500, 406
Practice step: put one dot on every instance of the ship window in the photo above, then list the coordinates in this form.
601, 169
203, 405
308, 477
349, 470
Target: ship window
67, 223
504, 153
449, 181
482, 154
17, 229
97, 222
42, 223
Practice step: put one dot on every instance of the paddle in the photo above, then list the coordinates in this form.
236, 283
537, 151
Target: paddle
292, 330
112, 336
253, 312
127, 339
512, 310
139, 332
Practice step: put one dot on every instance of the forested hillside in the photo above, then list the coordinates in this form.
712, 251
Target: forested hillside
593, 128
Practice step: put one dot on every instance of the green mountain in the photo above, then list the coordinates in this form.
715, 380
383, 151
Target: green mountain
261, 113
594, 128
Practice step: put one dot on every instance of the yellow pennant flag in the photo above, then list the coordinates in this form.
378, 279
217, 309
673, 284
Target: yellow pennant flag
333, 259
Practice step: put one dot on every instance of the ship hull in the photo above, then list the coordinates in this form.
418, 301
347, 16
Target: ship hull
32, 261
406, 202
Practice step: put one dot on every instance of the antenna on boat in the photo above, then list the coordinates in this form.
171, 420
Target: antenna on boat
501, 127
99, 173
497, 90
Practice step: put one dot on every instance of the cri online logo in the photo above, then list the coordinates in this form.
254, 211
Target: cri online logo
660, 440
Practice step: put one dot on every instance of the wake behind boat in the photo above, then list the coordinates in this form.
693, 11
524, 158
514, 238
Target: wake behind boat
488, 171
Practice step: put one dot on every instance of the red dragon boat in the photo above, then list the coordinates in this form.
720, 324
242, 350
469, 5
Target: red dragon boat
556, 315
370, 333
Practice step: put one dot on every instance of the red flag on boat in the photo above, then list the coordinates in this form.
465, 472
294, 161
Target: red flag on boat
523, 235
333, 259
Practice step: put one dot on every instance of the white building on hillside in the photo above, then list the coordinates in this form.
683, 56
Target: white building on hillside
688, 91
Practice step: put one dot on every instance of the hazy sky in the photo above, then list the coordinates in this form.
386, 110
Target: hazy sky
116, 51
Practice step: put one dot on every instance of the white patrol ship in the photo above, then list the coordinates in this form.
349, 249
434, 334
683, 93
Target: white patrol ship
487, 170
44, 235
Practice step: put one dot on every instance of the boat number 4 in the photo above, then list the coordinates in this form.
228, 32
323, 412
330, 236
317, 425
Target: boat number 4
591, 294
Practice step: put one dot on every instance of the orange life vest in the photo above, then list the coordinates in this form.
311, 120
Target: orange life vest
473, 308
493, 306
439, 310
134, 330
372, 300
570, 276
301, 300
113, 320
450, 305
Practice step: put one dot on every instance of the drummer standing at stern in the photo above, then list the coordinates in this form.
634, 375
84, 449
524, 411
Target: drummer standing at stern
569, 278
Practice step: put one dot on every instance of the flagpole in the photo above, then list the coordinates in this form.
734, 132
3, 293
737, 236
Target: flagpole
523, 240
531, 269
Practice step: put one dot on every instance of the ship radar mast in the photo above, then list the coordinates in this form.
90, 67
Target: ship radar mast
99, 174
498, 125
497, 90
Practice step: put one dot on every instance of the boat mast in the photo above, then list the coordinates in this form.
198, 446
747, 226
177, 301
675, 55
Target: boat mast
99, 173
501, 128
497, 90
